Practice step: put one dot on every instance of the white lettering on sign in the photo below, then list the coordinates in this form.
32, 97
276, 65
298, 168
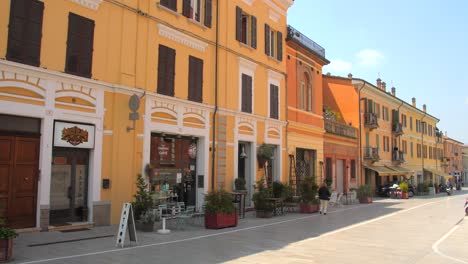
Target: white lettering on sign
163, 150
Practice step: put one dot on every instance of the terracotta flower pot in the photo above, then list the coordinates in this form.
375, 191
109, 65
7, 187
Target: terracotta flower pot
6, 249
404, 196
220, 220
306, 208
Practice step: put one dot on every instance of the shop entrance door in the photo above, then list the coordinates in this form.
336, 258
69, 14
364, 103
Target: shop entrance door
19, 167
339, 175
69, 186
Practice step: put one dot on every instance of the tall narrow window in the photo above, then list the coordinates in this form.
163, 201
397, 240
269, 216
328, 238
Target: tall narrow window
411, 123
307, 96
246, 28
79, 45
302, 96
411, 149
25, 31
195, 92
166, 70
171, 4
274, 102
246, 93
273, 43
353, 169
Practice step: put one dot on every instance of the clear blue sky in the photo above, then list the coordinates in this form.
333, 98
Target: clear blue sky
420, 47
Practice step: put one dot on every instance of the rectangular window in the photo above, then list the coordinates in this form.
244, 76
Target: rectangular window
273, 43
246, 93
274, 101
418, 150
328, 168
79, 45
195, 89
403, 120
166, 70
425, 151
303, 96
430, 130
411, 123
430, 152
353, 169
405, 147
246, 28
171, 4
411, 146
198, 10
418, 125
377, 141
25, 31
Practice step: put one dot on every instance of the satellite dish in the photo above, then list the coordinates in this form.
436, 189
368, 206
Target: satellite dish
134, 103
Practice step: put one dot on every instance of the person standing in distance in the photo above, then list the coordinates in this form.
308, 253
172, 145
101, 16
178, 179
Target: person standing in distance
324, 196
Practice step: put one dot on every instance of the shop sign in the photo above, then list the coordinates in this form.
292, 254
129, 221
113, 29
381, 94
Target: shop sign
163, 150
192, 151
73, 135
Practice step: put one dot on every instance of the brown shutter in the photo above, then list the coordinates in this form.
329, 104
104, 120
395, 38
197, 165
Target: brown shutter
208, 11
79, 45
238, 23
186, 8
246, 93
280, 46
25, 31
273, 101
166, 71
267, 39
254, 32
195, 79
171, 4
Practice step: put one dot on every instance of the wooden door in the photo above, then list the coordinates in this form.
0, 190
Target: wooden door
19, 163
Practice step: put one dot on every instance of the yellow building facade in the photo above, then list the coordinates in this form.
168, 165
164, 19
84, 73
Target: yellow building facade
397, 140
105, 90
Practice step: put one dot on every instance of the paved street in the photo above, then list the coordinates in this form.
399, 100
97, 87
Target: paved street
418, 230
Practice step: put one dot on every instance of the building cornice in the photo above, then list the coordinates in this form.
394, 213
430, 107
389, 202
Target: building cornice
249, 2
181, 38
91, 4
245, 63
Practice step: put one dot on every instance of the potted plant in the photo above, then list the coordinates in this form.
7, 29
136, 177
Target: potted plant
220, 212
143, 203
147, 220
265, 152
364, 194
309, 202
404, 190
278, 189
239, 184
6, 241
263, 206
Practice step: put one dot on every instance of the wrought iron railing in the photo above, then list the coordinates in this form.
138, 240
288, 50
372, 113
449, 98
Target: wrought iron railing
340, 129
370, 120
304, 40
398, 156
371, 153
397, 128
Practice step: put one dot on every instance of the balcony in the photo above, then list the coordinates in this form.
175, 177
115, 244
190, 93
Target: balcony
370, 120
397, 129
371, 154
398, 156
340, 129
294, 34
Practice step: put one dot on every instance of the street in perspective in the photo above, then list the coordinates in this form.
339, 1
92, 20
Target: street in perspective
233, 131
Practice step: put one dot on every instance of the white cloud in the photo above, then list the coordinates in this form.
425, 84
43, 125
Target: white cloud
338, 67
369, 57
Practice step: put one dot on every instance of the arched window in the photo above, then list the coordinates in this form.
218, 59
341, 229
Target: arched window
307, 94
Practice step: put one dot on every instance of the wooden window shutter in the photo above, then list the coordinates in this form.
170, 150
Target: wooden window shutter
186, 8
246, 93
267, 39
25, 31
370, 106
238, 23
254, 32
171, 4
79, 45
273, 101
195, 79
208, 13
166, 71
280, 46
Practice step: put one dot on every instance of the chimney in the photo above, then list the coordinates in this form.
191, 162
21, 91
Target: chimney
379, 83
424, 108
328, 74
350, 75
414, 101
393, 91
384, 86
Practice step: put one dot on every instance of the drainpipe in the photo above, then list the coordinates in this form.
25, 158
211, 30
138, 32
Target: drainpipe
213, 148
360, 132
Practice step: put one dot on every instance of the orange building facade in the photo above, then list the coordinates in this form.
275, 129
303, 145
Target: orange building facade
452, 160
305, 131
341, 145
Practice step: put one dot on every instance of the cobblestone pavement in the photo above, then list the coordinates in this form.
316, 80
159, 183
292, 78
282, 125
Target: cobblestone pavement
419, 230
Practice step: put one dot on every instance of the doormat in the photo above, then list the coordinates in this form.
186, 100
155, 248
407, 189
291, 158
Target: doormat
67, 241
74, 230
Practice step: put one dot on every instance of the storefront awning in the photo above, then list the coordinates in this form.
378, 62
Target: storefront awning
389, 170
439, 173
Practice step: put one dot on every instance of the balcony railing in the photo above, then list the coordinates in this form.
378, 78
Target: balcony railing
397, 129
304, 40
340, 129
370, 120
371, 153
398, 156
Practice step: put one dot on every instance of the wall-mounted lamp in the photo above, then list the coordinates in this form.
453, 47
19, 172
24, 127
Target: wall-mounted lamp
243, 155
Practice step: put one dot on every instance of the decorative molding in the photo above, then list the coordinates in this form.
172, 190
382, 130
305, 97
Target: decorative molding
181, 38
273, 15
249, 2
286, 3
248, 64
275, 75
276, 8
91, 4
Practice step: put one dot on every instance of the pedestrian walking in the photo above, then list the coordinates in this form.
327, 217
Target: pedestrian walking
324, 196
